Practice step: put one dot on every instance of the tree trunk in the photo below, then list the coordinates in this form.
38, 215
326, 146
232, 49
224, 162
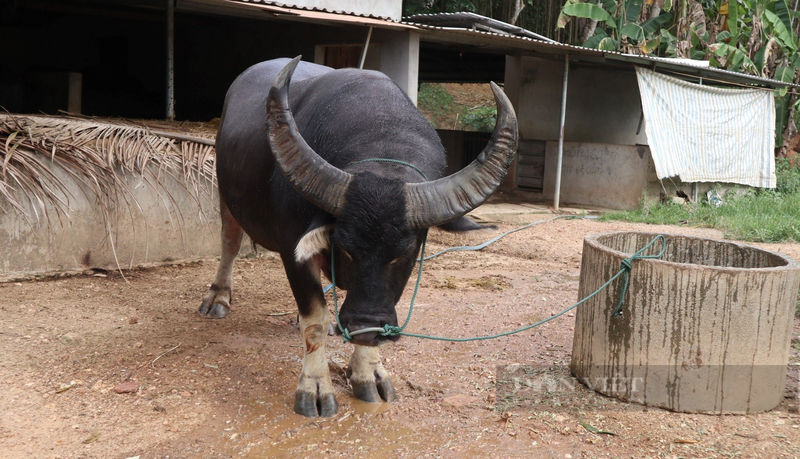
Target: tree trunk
518, 6
655, 8
589, 26
791, 130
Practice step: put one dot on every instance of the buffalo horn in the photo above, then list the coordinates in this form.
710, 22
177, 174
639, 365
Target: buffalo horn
313, 177
440, 201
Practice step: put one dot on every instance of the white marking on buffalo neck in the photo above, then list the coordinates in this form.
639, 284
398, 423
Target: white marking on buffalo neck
312, 243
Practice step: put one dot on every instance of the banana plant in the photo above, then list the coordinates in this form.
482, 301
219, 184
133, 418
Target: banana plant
756, 37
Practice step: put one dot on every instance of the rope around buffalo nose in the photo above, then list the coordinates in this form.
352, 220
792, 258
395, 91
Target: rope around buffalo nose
390, 330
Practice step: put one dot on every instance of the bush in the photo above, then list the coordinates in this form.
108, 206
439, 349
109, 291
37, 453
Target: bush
434, 98
481, 119
788, 176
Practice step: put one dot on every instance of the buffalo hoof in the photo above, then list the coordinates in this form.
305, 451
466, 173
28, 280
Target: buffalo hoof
310, 406
214, 311
377, 391
216, 304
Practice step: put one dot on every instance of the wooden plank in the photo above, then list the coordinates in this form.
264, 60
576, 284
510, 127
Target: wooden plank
528, 182
530, 171
531, 160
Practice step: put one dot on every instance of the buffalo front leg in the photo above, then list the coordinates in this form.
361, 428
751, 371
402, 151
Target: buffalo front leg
314, 396
217, 302
369, 379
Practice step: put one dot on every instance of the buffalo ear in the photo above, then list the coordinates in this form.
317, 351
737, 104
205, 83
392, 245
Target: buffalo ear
464, 224
315, 240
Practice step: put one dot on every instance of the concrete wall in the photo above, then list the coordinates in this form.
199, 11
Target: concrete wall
400, 59
612, 176
382, 8
169, 224
393, 52
603, 105
606, 161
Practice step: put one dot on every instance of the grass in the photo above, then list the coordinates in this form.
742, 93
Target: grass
759, 215
435, 98
797, 308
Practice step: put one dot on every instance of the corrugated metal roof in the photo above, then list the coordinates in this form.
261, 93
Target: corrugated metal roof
252, 8
314, 9
511, 42
482, 32
473, 21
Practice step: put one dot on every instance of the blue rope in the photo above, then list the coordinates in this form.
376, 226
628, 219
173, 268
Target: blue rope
625, 269
381, 160
389, 330
386, 330
496, 238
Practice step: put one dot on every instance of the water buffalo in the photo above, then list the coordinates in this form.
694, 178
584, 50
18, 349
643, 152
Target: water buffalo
295, 182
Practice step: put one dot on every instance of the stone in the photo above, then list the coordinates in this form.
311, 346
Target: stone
459, 400
127, 387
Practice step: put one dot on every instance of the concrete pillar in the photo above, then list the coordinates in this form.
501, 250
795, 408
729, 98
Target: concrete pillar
400, 60
512, 87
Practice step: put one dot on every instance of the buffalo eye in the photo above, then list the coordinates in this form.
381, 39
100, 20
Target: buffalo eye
394, 261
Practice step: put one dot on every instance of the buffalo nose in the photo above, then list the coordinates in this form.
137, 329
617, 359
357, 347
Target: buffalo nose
365, 339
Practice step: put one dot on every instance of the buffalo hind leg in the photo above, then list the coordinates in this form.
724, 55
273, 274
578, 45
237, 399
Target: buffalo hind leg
217, 302
314, 396
369, 379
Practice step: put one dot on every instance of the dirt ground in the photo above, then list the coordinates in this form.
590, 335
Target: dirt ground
224, 388
466, 97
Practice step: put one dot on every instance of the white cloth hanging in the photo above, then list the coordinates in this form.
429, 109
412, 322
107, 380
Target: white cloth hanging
705, 134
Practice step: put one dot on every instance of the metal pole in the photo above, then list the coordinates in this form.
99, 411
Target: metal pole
364, 51
170, 60
557, 197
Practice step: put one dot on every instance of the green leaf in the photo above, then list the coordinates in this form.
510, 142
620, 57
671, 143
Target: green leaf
671, 41
608, 44
724, 36
650, 45
787, 39
759, 60
733, 18
564, 18
785, 74
782, 11
594, 40
693, 37
609, 5
587, 11
633, 31
632, 10
697, 54
764, 54
734, 58
650, 26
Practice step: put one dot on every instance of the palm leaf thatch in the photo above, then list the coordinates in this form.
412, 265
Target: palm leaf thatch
97, 155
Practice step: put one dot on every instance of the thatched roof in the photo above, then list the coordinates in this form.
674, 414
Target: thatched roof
95, 153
